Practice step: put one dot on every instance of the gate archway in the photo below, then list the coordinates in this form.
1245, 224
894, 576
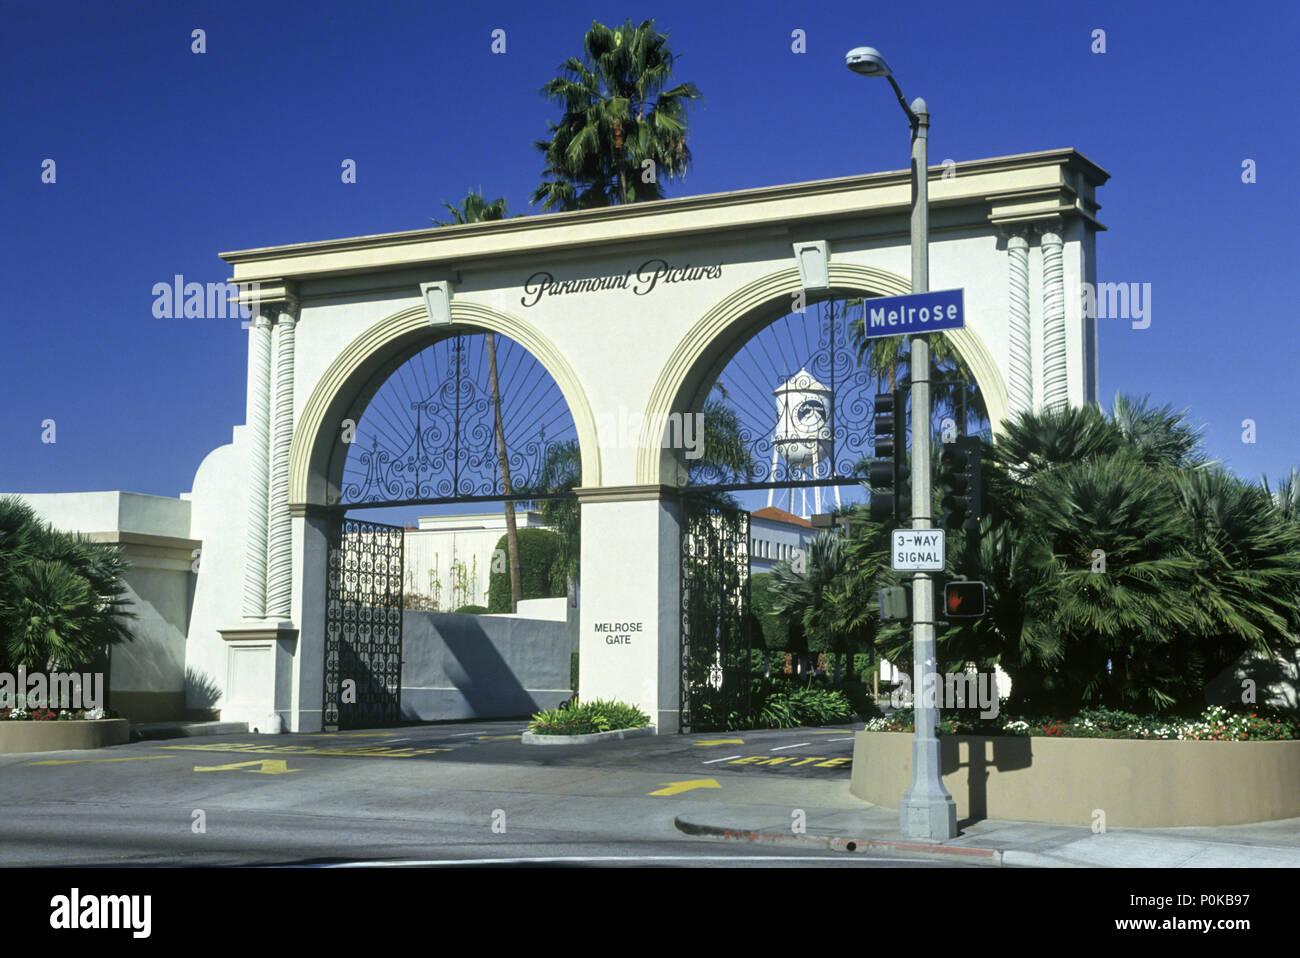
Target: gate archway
788, 403
468, 418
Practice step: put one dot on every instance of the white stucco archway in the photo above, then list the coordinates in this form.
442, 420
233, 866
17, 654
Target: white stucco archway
628, 309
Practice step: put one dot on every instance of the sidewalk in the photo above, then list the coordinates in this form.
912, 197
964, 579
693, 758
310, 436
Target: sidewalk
873, 830
183, 729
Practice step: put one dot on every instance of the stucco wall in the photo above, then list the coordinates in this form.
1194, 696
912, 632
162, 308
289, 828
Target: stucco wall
1065, 781
477, 666
147, 674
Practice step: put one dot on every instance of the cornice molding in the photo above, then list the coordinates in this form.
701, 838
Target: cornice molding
874, 194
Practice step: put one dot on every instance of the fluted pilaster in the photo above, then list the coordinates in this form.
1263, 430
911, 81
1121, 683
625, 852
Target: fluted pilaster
259, 379
1020, 366
1056, 385
279, 593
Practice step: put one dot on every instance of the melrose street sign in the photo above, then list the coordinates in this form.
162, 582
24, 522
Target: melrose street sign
917, 550
915, 313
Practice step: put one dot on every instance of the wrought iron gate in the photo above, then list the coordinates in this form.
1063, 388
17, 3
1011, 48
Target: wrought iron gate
716, 625
363, 625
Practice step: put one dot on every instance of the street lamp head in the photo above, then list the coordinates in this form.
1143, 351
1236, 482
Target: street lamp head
867, 61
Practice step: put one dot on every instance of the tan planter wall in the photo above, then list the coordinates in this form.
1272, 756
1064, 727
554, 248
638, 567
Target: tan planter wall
1138, 784
55, 736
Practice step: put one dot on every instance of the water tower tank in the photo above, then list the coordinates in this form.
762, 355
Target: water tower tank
803, 426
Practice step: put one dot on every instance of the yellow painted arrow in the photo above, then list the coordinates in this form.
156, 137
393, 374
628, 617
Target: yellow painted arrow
674, 788
720, 741
266, 766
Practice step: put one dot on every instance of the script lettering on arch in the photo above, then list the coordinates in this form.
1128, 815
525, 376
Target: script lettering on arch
649, 276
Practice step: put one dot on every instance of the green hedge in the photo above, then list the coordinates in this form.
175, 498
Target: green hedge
1215, 724
541, 569
586, 718
472, 610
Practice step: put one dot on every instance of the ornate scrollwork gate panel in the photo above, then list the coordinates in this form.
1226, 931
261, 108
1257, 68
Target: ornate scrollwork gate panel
716, 634
363, 625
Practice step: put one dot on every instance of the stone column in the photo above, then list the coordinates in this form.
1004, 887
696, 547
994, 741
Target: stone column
1020, 368
1056, 385
258, 436
630, 616
279, 573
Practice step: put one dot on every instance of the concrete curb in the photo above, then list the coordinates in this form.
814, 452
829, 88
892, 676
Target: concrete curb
532, 738
866, 846
148, 731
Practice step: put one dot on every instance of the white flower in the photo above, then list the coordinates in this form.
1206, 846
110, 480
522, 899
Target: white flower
95, 714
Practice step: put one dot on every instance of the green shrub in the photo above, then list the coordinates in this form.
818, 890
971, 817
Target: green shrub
541, 569
586, 718
775, 632
1214, 724
472, 610
63, 600
573, 672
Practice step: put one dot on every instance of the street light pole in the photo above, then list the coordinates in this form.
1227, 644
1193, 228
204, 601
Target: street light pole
926, 810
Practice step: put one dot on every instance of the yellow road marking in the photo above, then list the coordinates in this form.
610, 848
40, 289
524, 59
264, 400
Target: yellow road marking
674, 788
836, 732
493, 737
821, 760
720, 741
78, 761
350, 751
266, 766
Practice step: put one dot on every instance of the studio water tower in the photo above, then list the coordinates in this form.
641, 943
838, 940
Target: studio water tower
803, 434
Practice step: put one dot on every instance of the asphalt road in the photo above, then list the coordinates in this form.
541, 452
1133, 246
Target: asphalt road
467, 793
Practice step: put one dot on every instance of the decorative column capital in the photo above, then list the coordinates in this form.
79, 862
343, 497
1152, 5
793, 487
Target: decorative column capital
1050, 231
272, 299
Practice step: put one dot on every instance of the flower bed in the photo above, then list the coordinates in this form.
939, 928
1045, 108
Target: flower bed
1215, 724
588, 718
52, 715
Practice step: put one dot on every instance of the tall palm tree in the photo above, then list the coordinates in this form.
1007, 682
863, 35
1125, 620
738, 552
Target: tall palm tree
475, 209
621, 118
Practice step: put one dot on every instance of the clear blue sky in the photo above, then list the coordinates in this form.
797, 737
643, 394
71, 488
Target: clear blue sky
164, 158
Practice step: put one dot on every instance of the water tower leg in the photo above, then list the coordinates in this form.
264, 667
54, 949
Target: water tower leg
817, 490
772, 489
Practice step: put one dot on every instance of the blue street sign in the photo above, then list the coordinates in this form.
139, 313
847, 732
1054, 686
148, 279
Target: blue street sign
914, 313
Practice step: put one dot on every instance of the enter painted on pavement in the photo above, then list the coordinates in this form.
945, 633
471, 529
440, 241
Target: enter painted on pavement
792, 761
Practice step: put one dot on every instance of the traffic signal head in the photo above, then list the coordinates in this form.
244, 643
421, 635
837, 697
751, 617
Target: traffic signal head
885, 424
959, 478
964, 600
888, 475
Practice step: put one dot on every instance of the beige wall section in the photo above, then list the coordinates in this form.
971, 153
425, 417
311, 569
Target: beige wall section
339, 386
18, 737
741, 313
1064, 781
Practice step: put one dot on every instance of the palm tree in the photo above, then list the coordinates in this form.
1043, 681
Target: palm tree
1124, 567
62, 599
621, 118
474, 209
1161, 435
